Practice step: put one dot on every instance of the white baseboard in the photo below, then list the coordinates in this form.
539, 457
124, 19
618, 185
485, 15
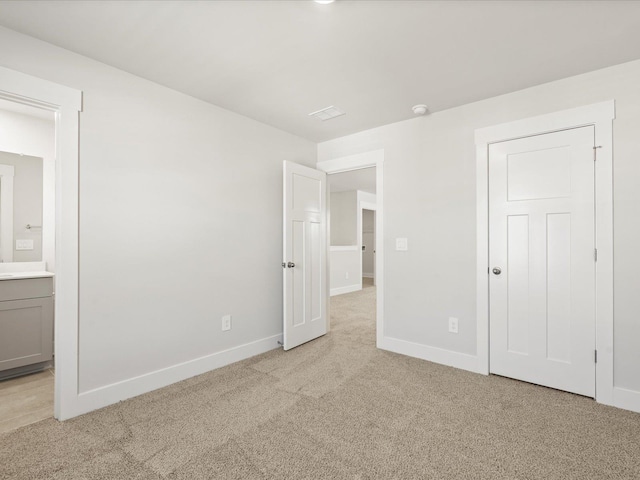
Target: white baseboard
433, 354
627, 399
348, 289
367, 275
132, 387
622, 398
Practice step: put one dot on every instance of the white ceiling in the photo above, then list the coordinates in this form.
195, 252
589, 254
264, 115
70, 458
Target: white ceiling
277, 61
363, 179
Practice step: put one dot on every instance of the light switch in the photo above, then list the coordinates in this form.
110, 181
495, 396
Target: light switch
24, 244
402, 244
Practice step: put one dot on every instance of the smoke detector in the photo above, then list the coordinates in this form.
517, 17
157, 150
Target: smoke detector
327, 113
420, 109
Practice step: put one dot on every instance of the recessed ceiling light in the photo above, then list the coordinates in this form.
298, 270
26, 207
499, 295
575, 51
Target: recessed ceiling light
327, 113
324, 2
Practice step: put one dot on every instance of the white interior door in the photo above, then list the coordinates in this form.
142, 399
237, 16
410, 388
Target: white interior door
542, 257
304, 259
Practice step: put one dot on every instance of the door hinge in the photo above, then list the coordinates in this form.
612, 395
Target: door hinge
595, 356
594, 151
595, 254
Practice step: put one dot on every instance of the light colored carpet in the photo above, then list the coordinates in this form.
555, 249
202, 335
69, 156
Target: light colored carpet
335, 408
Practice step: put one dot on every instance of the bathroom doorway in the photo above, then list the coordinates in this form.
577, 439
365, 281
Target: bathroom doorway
65, 104
27, 264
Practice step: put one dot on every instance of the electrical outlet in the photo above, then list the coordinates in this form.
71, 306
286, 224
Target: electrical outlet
346, 275
402, 244
24, 244
453, 325
226, 323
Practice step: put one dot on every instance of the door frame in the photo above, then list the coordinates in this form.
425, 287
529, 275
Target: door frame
66, 103
6, 212
601, 116
365, 205
359, 161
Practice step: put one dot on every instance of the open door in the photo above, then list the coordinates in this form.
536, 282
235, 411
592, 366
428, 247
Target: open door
304, 260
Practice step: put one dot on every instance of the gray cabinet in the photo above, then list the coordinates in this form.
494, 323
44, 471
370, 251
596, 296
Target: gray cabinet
26, 323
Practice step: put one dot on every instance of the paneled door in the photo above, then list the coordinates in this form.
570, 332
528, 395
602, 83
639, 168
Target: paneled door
542, 260
304, 261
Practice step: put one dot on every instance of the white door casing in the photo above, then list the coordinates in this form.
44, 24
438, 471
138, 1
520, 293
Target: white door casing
6, 213
601, 116
357, 161
541, 236
304, 261
66, 103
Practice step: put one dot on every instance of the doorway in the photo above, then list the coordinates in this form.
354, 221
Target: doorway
65, 103
27, 264
305, 193
351, 210
373, 163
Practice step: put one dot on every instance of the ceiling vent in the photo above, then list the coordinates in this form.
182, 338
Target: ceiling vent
327, 113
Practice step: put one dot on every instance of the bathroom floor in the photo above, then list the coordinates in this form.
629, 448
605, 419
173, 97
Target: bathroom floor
25, 400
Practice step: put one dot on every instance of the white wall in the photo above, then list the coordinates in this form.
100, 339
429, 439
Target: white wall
345, 263
429, 181
28, 135
343, 214
344, 268
180, 218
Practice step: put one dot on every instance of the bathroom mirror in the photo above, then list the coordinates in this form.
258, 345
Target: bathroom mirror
21, 197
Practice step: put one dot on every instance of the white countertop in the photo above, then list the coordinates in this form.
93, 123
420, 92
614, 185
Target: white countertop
24, 275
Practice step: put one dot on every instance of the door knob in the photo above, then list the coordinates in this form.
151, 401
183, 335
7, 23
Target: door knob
497, 271
291, 264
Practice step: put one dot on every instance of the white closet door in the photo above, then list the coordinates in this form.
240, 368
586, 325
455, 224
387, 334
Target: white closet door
541, 250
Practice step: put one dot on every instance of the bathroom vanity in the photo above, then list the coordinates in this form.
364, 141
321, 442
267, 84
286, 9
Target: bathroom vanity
26, 320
